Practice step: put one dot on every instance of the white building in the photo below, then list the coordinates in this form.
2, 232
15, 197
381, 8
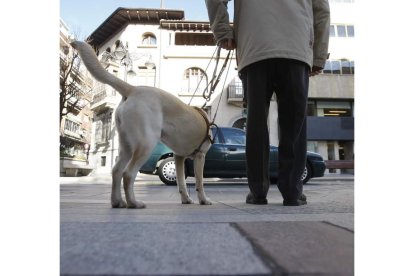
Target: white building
173, 54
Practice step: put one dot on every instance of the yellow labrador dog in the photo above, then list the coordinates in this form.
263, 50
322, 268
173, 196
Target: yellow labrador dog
145, 116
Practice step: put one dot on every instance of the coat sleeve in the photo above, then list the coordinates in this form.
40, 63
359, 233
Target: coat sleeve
321, 23
219, 19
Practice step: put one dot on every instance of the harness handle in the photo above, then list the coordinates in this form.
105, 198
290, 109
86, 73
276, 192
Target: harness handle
216, 78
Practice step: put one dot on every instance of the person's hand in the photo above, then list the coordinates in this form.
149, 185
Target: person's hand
228, 44
315, 71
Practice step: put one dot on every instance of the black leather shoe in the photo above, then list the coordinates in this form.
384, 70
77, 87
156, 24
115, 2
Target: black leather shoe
250, 199
300, 201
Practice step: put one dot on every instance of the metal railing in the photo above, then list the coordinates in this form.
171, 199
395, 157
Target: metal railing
235, 92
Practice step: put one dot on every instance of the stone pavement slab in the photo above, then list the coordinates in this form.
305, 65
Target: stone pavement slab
156, 249
303, 248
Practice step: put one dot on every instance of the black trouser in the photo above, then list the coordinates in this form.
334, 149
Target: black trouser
290, 80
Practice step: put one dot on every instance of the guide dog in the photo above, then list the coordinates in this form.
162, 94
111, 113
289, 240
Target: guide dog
145, 116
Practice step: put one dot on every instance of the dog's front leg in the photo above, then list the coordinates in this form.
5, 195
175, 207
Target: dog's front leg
199, 161
182, 186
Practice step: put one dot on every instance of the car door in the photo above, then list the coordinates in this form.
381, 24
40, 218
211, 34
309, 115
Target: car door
215, 157
235, 151
273, 162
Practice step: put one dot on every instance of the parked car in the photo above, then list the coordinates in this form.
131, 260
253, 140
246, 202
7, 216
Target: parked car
226, 158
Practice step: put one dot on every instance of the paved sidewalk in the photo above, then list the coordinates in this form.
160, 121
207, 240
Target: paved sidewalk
226, 238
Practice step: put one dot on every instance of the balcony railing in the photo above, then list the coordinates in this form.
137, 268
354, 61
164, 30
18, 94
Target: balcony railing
235, 92
78, 104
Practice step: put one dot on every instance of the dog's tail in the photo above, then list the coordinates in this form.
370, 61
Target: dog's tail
98, 72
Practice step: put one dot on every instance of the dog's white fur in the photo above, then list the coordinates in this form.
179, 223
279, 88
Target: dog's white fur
145, 116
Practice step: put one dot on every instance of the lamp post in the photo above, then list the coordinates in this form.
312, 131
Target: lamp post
121, 53
125, 58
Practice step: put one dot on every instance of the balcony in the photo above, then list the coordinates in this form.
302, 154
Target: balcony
235, 95
77, 136
104, 99
78, 105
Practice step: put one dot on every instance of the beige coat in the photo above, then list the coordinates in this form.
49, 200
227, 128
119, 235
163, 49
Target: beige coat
263, 29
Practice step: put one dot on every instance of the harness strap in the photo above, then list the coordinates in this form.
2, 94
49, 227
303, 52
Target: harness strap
216, 78
208, 123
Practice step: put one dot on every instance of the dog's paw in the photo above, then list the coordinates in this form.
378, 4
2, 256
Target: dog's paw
187, 201
119, 204
205, 201
136, 205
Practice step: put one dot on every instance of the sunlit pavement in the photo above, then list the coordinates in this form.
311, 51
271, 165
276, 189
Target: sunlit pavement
229, 237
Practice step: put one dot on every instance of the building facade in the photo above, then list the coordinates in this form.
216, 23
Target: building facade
75, 114
162, 49
331, 94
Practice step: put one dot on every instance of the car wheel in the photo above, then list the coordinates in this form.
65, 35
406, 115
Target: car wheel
307, 173
166, 171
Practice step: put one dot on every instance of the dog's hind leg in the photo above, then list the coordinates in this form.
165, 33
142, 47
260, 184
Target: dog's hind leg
117, 171
199, 160
139, 157
182, 187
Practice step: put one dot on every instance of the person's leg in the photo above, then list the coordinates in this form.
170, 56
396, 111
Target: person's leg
292, 82
257, 89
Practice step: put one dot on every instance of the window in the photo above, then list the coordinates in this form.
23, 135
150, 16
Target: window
103, 161
336, 112
103, 127
345, 67
215, 135
197, 39
341, 30
194, 81
350, 31
323, 108
235, 88
336, 66
332, 31
149, 39
234, 136
71, 126
328, 68
334, 109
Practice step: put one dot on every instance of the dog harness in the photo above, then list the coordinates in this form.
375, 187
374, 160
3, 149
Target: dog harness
209, 125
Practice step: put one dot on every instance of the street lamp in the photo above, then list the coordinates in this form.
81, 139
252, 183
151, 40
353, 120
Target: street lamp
121, 55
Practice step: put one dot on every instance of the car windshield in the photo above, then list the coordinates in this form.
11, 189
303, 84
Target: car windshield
234, 136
